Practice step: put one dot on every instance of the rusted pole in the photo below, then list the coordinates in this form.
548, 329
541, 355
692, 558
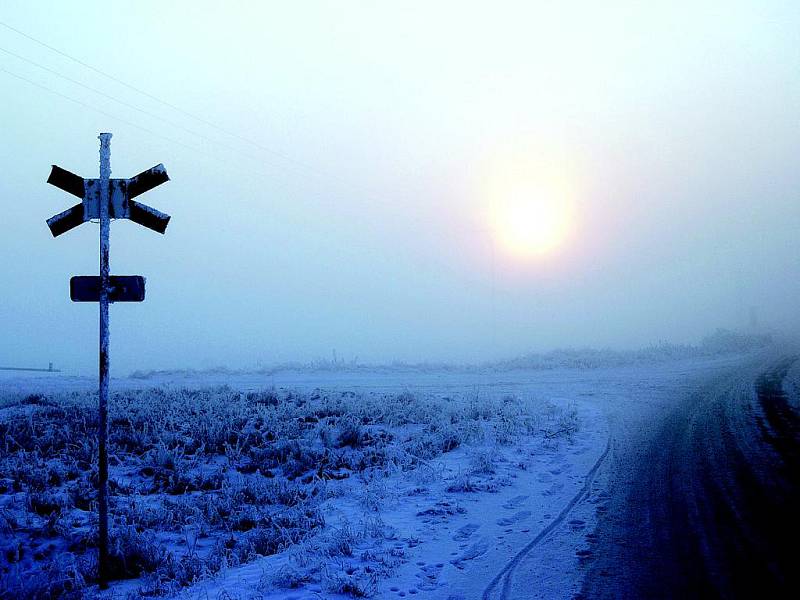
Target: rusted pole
105, 226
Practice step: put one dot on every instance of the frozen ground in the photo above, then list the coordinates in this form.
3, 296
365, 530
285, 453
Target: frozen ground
505, 513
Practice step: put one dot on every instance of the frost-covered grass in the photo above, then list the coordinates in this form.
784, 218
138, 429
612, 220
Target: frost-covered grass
209, 479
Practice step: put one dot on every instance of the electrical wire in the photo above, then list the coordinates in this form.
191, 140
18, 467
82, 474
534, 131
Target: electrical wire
101, 92
365, 194
242, 172
99, 110
129, 105
166, 103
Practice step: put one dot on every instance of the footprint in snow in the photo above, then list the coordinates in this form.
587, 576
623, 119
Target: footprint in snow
544, 477
577, 524
429, 577
515, 502
553, 489
515, 518
475, 550
465, 532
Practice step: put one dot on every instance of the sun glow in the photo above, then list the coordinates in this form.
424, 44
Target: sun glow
531, 208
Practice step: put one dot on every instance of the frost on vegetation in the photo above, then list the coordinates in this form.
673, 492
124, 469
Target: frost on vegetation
719, 343
204, 480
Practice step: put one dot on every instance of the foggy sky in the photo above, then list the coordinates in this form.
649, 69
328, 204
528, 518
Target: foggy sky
334, 194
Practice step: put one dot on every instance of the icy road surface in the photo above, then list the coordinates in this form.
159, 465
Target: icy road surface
704, 504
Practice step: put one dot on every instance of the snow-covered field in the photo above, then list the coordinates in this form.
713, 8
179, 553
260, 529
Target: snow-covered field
434, 484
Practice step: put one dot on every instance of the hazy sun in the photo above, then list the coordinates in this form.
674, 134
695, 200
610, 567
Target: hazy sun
531, 225
531, 208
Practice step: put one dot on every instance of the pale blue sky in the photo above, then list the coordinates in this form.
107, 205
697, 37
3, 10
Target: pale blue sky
335, 194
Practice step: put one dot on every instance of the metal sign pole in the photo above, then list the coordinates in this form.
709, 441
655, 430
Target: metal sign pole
105, 227
104, 199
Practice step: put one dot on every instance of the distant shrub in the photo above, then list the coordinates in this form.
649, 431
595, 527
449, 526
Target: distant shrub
462, 482
353, 580
351, 433
287, 577
483, 461
133, 553
46, 503
265, 398
724, 341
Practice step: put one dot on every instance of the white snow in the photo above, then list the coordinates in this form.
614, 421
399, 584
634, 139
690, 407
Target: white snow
524, 532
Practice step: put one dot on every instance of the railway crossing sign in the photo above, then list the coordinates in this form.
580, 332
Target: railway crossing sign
105, 199
120, 204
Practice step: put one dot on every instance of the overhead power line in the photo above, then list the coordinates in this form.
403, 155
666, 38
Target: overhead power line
256, 176
99, 71
232, 165
156, 98
317, 172
99, 110
322, 174
97, 91
309, 169
129, 105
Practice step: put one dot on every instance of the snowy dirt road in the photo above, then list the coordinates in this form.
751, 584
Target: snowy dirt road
572, 547
705, 504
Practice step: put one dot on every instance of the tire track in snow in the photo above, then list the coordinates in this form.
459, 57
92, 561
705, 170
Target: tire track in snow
506, 574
